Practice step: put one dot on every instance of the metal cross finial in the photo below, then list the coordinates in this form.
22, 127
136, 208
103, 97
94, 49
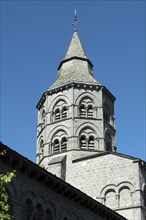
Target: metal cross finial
75, 21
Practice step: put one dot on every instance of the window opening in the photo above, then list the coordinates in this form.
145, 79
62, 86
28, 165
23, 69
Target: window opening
57, 114
91, 142
90, 111
56, 146
39, 212
82, 111
63, 144
83, 143
64, 112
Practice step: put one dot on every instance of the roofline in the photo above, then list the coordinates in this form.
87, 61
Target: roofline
73, 84
135, 159
76, 58
27, 167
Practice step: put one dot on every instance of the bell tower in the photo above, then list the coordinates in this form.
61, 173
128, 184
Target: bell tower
76, 113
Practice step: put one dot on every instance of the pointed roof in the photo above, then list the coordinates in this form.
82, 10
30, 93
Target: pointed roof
75, 48
75, 67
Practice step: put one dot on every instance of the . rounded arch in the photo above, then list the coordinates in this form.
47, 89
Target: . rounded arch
56, 130
41, 200
65, 215
107, 188
28, 195
50, 209
86, 94
57, 99
86, 125
126, 184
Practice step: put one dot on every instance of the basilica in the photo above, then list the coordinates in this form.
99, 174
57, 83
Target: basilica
79, 173
76, 138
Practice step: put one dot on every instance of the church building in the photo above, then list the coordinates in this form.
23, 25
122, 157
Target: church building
79, 173
76, 138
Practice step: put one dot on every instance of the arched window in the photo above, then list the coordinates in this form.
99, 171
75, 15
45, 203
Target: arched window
57, 114
110, 198
91, 142
63, 144
43, 116
90, 111
60, 110
29, 209
40, 214
125, 195
82, 111
41, 144
56, 147
49, 215
106, 117
83, 143
59, 141
86, 107
87, 138
64, 112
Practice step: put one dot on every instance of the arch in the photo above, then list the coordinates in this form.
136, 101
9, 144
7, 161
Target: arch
110, 198
87, 137
86, 105
65, 215
57, 99
124, 195
59, 141
107, 188
28, 199
39, 212
91, 142
57, 114
56, 147
125, 184
56, 130
28, 195
64, 144
50, 211
86, 125
86, 94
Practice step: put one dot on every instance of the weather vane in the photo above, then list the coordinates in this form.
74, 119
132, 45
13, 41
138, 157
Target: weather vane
75, 21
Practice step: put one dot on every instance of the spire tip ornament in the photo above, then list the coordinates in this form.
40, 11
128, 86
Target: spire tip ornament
75, 21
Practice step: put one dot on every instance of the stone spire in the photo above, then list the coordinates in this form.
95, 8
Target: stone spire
75, 67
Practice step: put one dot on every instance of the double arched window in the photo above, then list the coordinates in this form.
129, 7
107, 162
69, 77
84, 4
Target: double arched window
87, 139
59, 146
87, 142
86, 108
59, 142
60, 110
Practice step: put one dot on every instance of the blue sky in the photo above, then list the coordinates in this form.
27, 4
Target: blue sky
34, 38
